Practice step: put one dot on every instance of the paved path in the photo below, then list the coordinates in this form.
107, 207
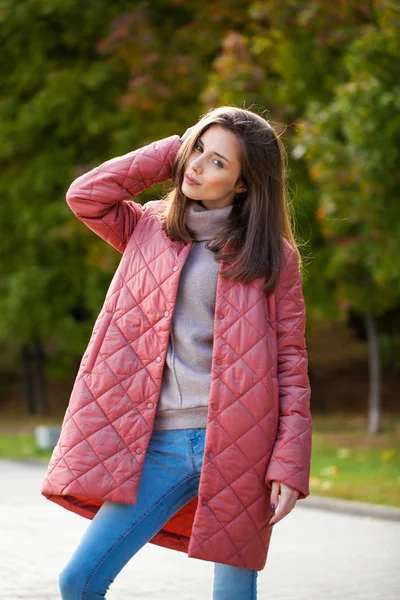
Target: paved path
314, 554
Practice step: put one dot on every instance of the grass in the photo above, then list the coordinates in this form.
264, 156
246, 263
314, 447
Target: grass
17, 437
346, 462
22, 447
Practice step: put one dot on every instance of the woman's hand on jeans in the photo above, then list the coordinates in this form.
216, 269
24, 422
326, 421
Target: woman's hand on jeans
287, 500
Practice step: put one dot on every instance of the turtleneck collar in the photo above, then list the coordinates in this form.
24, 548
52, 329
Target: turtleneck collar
203, 222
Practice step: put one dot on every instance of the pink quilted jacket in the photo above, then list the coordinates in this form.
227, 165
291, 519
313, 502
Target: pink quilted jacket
259, 421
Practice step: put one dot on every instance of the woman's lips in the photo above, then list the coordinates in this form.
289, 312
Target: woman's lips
191, 181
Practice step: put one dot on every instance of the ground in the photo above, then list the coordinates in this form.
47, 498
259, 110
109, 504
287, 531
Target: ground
314, 554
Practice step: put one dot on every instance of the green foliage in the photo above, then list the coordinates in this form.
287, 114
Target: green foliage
81, 82
58, 111
353, 150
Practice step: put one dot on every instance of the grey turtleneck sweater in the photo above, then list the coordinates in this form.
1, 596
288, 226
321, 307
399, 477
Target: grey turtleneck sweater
183, 401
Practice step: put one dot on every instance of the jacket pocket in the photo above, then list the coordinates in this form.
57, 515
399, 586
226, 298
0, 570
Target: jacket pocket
98, 341
275, 397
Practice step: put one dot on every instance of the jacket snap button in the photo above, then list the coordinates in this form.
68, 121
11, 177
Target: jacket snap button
175, 268
214, 406
220, 315
150, 405
210, 455
204, 501
219, 361
166, 313
139, 450
158, 359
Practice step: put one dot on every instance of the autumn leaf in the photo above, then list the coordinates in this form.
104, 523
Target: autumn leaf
388, 454
343, 453
331, 470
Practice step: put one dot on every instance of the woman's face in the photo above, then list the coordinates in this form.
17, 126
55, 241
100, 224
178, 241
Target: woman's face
214, 166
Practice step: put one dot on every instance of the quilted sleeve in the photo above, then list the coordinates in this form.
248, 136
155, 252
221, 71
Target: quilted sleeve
99, 198
291, 455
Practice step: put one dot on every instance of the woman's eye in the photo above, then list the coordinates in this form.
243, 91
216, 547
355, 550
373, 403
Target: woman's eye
200, 148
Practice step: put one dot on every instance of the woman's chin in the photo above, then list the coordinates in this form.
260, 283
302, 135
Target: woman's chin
188, 194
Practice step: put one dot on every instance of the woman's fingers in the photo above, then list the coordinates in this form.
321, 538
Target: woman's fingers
284, 508
275, 488
187, 132
287, 501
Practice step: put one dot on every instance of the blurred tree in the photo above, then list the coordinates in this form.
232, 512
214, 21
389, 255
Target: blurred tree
165, 49
58, 111
352, 147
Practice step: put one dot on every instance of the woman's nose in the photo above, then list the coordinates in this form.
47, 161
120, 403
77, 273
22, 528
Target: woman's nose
195, 164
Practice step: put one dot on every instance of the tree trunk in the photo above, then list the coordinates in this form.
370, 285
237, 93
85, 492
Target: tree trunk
374, 399
33, 378
40, 380
27, 378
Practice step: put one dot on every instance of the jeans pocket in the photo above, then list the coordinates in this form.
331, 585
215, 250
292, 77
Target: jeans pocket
198, 445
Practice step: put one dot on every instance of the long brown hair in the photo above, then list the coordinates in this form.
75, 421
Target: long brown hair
260, 216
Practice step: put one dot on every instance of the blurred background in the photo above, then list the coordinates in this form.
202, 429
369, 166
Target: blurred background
81, 82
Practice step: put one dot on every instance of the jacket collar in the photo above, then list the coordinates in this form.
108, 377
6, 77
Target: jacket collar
203, 222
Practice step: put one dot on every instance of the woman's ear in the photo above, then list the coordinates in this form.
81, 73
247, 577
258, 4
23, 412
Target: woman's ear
240, 187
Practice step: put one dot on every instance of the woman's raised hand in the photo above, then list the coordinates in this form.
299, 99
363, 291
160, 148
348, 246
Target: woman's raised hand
287, 500
187, 132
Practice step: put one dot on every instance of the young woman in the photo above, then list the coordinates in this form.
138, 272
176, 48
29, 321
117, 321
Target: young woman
189, 418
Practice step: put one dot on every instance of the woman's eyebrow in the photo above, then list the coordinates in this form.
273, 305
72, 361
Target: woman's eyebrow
217, 153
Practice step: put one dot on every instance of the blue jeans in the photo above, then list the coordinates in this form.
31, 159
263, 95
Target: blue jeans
170, 479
